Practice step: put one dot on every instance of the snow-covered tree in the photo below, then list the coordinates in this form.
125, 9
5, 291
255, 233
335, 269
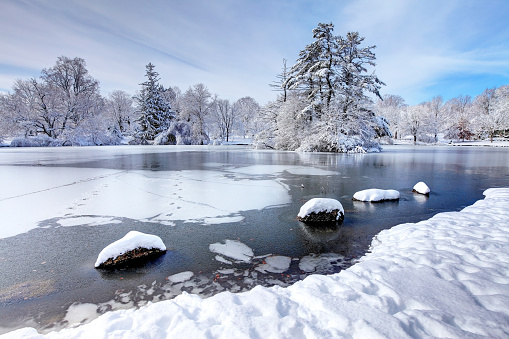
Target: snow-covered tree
492, 108
413, 120
226, 114
120, 108
391, 108
281, 85
196, 105
331, 74
459, 111
247, 109
75, 88
155, 113
436, 117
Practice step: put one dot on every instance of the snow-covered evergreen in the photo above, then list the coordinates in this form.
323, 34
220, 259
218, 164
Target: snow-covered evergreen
328, 107
155, 111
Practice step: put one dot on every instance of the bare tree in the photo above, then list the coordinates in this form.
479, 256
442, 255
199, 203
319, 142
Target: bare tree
120, 106
225, 115
391, 107
197, 104
460, 116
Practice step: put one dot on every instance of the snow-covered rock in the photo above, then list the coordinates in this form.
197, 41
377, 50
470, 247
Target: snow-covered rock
321, 210
375, 195
133, 247
421, 188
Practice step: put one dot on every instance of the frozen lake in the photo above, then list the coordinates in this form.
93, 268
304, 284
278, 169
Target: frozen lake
60, 207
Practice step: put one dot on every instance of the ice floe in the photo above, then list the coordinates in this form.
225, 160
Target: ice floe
233, 249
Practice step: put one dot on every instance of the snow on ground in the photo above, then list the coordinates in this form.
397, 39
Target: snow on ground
375, 194
129, 242
442, 277
317, 205
421, 188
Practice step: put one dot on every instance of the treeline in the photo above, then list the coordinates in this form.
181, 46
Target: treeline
329, 100
462, 118
63, 106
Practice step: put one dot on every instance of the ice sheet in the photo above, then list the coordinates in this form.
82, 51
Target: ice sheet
207, 197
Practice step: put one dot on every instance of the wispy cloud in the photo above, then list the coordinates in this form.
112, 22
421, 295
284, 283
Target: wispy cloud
235, 47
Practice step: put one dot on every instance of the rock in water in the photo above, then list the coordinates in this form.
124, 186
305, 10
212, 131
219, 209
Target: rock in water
134, 248
421, 188
318, 210
376, 195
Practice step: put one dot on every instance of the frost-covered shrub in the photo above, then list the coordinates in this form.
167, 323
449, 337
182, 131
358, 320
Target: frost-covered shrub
180, 133
36, 141
341, 144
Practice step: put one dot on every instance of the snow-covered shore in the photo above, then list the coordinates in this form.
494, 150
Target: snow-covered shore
443, 277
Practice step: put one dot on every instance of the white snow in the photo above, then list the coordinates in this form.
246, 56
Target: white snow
317, 205
375, 194
130, 241
421, 188
233, 249
442, 277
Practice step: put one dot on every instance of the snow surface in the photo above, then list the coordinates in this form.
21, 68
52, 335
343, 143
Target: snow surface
317, 205
130, 241
442, 277
375, 194
421, 188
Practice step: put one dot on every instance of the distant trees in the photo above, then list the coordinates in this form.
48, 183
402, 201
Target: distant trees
460, 118
64, 104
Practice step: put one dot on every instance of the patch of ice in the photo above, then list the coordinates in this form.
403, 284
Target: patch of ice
130, 241
317, 205
322, 263
88, 221
275, 264
79, 313
375, 195
233, 249
421, 188
181, 277
223, 260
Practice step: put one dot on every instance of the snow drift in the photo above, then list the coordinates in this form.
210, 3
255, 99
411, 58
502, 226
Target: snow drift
442, 277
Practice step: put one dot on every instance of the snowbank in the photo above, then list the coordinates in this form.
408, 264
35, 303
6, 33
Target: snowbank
442, 277
421, 188
375, 194
318, 205
130, 241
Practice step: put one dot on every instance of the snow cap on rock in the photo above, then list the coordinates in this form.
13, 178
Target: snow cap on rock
317, 205
375, 194
421, 188
130, 241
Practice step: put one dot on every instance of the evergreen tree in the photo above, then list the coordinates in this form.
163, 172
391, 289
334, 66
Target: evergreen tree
155, 111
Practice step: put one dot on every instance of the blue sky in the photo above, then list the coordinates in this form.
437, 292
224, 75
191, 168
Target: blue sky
236, 47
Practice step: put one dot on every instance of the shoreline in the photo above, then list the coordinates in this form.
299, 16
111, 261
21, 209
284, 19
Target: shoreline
441, 277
